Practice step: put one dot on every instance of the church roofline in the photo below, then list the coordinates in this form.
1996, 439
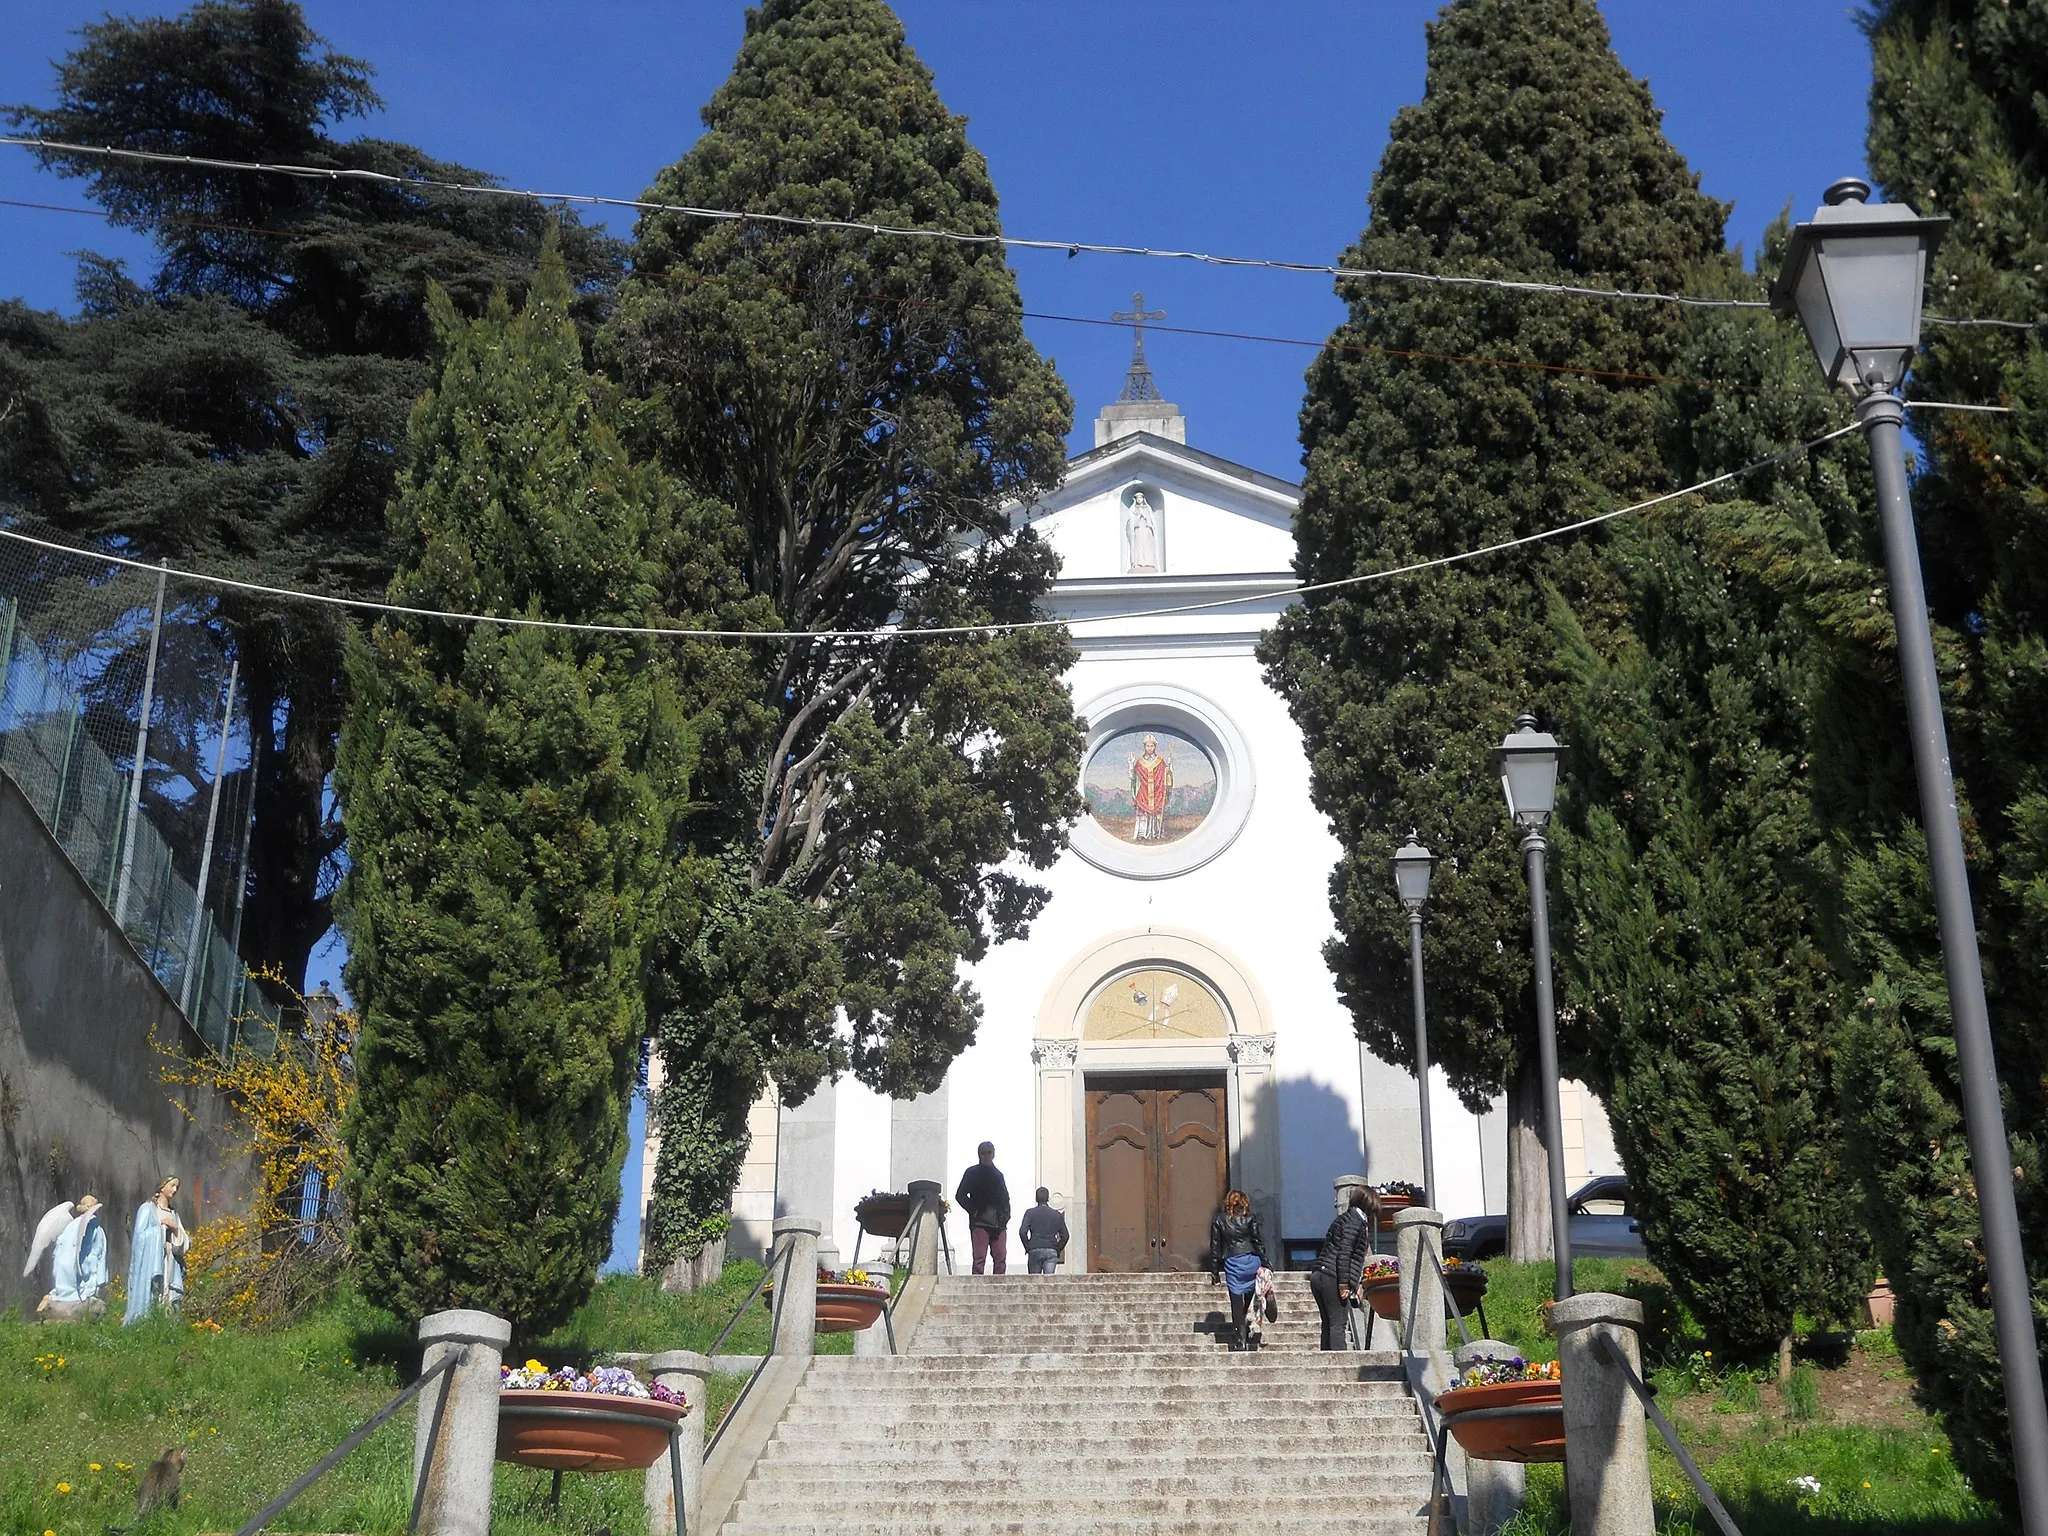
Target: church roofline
1166, 447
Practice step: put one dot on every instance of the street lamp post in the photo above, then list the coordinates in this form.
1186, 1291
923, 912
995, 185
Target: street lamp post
1527, 760
1855, 276
1412, 866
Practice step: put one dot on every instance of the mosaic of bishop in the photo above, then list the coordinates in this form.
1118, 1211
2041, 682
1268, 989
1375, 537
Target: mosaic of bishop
1151, 784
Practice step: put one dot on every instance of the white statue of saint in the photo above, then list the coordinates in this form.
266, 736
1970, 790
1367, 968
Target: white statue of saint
1142, 531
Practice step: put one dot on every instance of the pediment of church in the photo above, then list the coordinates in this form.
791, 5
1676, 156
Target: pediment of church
1145, 507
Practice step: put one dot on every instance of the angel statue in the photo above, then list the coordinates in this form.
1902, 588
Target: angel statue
77, 1244
156, 1267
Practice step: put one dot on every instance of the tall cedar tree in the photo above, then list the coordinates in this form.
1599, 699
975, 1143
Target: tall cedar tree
1958, 125
869, 407
507, 794
1689, 858
245, 412
1532, 155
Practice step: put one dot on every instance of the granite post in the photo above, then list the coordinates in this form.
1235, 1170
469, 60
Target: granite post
921, 1242
796, 1292
1607, 1453
1419, 1244
456, 1497
686, 1371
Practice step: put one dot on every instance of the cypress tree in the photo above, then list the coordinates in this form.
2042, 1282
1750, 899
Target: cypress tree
508, 795
1959, 118
1532, 155
868, 406
1690, 857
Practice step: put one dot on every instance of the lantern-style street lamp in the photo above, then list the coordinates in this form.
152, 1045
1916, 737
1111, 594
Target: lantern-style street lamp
1855, 276
1412, 866
1527, 760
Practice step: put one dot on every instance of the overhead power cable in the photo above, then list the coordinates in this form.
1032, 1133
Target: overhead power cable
956, 631
912, 232
1325, 344
858, 226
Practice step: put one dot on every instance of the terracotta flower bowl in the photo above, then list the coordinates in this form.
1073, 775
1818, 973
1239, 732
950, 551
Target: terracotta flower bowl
885, 1216
563, 1431
849, 1308
1465, 1287
1384, 1297
1514, 1437
842, 1308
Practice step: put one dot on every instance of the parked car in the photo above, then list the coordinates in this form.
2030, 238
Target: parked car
1604, 1226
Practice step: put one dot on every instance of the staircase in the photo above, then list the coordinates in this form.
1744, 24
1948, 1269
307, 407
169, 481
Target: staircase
1106, 1404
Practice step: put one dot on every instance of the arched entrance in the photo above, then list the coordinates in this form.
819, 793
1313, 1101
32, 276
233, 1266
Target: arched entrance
1154, 1061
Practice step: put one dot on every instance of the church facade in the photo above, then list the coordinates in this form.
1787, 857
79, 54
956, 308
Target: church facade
1169, 1028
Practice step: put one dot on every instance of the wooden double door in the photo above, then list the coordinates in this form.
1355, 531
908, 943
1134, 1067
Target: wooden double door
1158, 1165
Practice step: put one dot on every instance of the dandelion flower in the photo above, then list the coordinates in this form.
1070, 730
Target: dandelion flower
1866, 1485
63, 1487
211, 1430
124, 1466
93, 1466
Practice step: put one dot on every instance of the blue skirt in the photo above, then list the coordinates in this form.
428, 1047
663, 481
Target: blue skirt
1241, 1272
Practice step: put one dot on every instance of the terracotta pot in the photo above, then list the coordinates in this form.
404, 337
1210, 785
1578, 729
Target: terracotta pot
1391, 1203
1519, 1437
564, 1436
1384, 1297
884, 1217
1465, 1287
1878, 1305
849, 1308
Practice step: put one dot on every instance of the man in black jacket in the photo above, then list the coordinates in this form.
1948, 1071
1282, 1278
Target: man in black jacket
1339, 1262
985, 1196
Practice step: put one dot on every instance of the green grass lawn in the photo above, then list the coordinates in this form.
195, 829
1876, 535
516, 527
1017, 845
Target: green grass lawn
85, 1407
1846, 1423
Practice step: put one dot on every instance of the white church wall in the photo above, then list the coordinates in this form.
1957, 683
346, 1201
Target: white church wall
861, 1162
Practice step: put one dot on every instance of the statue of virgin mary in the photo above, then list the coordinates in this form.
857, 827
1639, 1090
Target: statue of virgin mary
156, 1247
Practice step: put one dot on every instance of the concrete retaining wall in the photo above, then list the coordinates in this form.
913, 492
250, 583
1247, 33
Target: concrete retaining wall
83, 1108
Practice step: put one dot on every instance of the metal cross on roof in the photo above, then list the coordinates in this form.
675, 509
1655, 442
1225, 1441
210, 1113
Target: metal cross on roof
1138, 383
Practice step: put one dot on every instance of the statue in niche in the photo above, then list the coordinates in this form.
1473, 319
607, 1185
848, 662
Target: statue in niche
1141, 529
156, 1263
77, 1244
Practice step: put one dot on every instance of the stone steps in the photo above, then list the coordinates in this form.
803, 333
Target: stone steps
1098, 1404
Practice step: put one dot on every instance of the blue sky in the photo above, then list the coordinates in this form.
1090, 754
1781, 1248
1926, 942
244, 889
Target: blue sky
1198, 124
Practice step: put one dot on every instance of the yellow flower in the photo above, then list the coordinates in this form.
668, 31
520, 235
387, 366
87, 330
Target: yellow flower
63, 1487
94, 1466
124, 1466
535, 1365
1934, 1450
1866, 1485
211, 1430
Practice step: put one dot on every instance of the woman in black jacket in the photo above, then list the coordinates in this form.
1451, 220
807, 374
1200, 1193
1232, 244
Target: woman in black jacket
1237, 1251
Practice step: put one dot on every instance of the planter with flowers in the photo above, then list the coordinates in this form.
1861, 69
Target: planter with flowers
566, 1421
1380, 1284
882, 1215
1465, 1286
1507, 1410
848, 1301
1399, 1195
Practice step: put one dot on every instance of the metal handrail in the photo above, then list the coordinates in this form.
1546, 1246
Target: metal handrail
1642, 1390
327, 1463
774, 1323
889, 1309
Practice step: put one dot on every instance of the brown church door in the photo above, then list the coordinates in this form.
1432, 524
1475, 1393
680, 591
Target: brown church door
1157, 1166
